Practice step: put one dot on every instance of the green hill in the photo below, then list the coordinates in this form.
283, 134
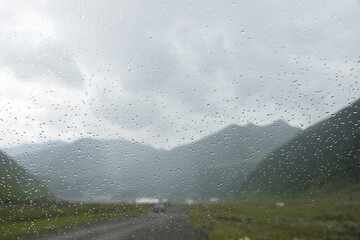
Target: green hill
216, 165
322, 158
17, 185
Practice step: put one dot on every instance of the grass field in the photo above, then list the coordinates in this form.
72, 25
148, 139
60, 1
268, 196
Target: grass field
26, 220
303, 218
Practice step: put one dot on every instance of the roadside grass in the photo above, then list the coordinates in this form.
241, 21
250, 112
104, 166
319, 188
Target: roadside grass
25, 220
302, 218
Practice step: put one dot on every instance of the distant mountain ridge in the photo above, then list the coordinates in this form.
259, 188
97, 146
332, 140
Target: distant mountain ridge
324, 157
213, 166
89, 167
28, 148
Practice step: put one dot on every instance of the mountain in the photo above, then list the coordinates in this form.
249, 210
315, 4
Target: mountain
323, 157
28, 148
216, 165
89, 168
17, 185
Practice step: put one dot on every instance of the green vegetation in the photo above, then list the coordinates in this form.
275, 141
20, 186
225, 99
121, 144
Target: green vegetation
316, 175
325, 217
25, 219
324, 157
17, 185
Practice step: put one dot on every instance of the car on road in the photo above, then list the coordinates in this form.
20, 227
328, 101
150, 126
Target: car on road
159, 207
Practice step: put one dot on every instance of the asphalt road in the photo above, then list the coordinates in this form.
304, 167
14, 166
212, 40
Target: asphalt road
173, 224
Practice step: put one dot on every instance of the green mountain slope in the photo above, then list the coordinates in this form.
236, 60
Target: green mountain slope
216, 165
17, 185
323, 157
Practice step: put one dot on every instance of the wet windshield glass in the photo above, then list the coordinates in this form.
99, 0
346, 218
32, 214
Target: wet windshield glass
234, 119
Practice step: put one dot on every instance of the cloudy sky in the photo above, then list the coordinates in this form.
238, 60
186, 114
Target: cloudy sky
167, 73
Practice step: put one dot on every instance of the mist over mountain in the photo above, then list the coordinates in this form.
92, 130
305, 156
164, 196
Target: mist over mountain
28, 148
18, 185
324, 157
216, 165
88, 168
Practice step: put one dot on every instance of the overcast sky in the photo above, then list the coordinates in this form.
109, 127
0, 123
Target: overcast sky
166, 74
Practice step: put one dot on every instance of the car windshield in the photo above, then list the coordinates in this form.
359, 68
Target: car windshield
233, 119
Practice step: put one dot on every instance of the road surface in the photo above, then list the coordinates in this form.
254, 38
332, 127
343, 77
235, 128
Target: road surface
173, 224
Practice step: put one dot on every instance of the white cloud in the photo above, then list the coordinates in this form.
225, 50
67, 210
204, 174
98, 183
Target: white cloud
25, 25
166, 73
